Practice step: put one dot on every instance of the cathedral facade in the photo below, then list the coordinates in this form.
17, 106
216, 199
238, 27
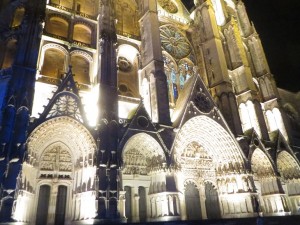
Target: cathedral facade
140, 111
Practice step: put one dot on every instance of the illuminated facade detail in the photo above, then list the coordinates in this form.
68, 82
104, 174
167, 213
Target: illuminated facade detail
168, 5
174, 42
140, 111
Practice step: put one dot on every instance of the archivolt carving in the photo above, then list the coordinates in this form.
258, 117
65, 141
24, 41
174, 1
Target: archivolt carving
261, 165
142, 154
64, 130
219, 144
84, 54
288, 167
197, 164
55, 46
56, 158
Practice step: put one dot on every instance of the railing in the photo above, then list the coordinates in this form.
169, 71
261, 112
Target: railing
125, 34
60, 7
55, 36
173, 17
78, 43
86, 15
49, 80
73, 11
57, 81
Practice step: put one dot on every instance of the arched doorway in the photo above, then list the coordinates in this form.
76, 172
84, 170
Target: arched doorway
142, 204
43, 205
192, 202
212, 201
60, 165
206, 151
289, 169
144, 180
273, 199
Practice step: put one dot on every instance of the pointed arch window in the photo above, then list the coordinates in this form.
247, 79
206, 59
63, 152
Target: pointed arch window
177, 75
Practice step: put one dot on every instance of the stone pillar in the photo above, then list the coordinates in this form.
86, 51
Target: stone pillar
52, 204
235, 114
171, 205
153, 207
165, 206
122, 201
261, 120
135, 204
182, 206
148, 203
106, 207
202, 201
152, 63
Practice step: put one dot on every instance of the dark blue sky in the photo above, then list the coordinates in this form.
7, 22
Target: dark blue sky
278, 24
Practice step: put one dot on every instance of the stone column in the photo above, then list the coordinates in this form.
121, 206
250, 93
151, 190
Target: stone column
202, 201
153, 207
152, 63
52, 204
135, 204
182, 206
122, 201
148, 203
171, 206
165, 206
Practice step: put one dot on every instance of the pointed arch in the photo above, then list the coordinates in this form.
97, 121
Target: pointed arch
269, 187
261, 164
205, 130
141, 154
65, 130
289, 169
288, 166
61, 150
192, 201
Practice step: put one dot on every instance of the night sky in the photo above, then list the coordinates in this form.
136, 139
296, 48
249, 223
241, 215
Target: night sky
278, 25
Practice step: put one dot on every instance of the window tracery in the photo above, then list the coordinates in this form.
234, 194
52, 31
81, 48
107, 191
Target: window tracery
174, 42
66, 105
177, 75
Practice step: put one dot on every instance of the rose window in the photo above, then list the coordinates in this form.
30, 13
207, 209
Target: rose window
174, 42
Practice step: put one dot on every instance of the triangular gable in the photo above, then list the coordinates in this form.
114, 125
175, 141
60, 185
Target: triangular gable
65, 102
141, 123
282, 144
141, 120
193, 101
256, 143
